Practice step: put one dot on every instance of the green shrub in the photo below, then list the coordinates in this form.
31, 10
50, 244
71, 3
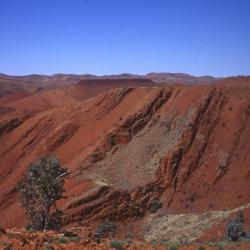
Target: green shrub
63, 240
174, 246
126, 241
105, 229
39, 189
201, 248
166, 243
116, 245
29, 228
74, 239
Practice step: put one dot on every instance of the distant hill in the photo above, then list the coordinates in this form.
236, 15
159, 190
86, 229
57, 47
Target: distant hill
180, 78
33, 83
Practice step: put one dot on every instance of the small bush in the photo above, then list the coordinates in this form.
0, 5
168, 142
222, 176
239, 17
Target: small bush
116, 245
234, 229
63, 240
166, 243
201, 248
105, 229
154, 205
174, 247
69, 234
29, 228
137, 212
126, 241
74, 239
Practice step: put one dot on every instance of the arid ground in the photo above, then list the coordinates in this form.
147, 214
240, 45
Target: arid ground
165, 157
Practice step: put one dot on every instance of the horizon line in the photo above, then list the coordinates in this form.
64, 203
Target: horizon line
118, 74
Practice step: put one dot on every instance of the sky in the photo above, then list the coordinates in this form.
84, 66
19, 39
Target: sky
199, 37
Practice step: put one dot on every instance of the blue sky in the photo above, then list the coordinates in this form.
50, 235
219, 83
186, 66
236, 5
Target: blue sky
200, 37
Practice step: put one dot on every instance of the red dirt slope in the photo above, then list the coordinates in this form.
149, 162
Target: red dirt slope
185, 146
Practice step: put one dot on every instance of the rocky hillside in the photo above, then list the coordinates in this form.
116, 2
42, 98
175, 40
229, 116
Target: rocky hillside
138, 155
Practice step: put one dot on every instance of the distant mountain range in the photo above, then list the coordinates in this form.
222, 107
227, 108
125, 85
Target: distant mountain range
30, 84
35, 82
71, 78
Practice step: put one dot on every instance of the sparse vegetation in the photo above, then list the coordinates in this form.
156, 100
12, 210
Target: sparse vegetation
137, 212
154, 205
63, 240
201, 248
166, 243
218, 245
173, 246
235, 228
116, 245
105, 229
40, 188
29, 228
126, 241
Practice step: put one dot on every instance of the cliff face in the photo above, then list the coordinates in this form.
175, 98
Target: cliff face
131, 149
